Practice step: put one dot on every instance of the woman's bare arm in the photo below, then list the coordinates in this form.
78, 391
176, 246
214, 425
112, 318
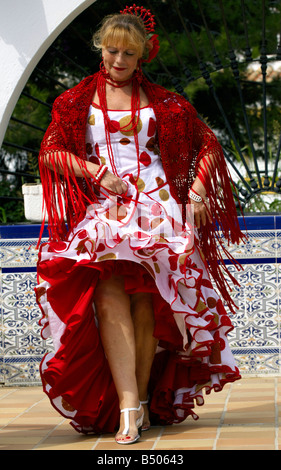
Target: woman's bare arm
59, 161
201, 208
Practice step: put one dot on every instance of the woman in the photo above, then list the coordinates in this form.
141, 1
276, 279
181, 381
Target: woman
124, 288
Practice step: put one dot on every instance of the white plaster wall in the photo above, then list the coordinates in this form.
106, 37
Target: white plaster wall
27, 29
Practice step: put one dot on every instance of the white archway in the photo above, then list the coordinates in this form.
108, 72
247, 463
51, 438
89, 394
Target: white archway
27, 29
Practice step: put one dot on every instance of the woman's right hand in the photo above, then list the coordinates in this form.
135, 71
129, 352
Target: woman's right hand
109, 181
113, 183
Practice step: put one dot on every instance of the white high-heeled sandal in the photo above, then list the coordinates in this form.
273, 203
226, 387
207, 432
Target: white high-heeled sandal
126, 429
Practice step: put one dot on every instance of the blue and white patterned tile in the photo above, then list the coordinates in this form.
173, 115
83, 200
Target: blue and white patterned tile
257, 245
278, 245
2, 374
18, 253
258, 362
21, 338
21, 371
256, 323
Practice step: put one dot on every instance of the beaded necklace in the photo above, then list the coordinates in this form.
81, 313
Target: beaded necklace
135, 80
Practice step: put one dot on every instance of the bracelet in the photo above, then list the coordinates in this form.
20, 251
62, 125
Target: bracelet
194, 196
100, 173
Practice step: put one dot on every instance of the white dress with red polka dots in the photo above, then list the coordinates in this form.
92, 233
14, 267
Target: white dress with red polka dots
144, 229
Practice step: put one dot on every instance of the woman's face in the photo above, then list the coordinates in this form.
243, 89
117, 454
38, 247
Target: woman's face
120, 62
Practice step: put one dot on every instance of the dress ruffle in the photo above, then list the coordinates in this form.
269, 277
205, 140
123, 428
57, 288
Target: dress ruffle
191, 325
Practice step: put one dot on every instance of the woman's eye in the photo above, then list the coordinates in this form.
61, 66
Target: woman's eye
127, 53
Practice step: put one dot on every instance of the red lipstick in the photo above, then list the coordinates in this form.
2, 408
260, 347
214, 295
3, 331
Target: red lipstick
119, 69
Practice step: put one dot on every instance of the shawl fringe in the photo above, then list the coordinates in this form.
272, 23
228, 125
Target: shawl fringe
222, 225
187, 148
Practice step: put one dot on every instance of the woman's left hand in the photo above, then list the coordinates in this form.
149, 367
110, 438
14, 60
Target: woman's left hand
201, 213
202, 208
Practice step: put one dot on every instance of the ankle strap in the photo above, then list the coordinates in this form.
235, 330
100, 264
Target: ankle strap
131, 409
127, 419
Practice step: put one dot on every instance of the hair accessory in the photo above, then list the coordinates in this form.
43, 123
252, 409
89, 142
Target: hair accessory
153, 44
146, 16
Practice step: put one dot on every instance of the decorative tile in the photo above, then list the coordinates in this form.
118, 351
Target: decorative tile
18, 253
255, 340
21, 371
258, 222
20, 336
21, 345
20, 315
257, 361
278, 244
258, 245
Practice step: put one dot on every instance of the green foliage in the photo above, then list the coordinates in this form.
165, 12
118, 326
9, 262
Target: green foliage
267, 202
11, 211
187, 48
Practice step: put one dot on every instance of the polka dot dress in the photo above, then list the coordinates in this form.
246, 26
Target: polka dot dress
147, 174
139, 235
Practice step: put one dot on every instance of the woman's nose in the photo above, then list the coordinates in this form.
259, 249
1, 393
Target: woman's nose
119, 57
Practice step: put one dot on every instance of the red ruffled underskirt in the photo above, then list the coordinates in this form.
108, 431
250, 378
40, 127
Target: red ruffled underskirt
77, 377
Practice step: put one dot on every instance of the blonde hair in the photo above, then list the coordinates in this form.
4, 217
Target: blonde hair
122, 30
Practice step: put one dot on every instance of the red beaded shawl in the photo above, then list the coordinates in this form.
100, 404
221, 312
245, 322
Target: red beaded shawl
184, 142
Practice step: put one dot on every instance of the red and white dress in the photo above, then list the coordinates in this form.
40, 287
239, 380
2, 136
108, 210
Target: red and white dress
140, 236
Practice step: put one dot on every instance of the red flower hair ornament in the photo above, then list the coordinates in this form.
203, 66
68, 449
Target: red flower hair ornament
149, 23
153, 47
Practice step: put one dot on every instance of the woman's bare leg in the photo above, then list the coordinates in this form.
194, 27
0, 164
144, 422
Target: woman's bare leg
146, 344
117, 334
